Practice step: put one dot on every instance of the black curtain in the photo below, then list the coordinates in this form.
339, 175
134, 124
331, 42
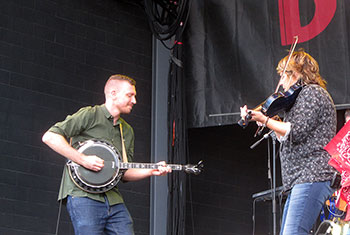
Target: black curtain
231, 50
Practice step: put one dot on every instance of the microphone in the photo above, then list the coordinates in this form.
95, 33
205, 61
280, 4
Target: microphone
267, 134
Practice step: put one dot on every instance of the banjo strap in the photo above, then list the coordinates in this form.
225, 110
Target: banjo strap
125, 159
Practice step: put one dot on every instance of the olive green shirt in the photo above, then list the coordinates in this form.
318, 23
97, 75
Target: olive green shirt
93, 123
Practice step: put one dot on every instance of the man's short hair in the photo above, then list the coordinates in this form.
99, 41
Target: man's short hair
122, 78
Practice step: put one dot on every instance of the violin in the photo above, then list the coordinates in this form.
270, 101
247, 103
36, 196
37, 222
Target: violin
275, 103
281, 101
278, 101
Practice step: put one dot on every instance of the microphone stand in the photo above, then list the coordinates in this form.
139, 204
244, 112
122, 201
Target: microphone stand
267, 135
273, 137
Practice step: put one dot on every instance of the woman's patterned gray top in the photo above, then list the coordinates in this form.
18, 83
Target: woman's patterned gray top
313, 125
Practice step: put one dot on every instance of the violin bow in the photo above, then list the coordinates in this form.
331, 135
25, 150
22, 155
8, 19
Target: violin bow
292, 48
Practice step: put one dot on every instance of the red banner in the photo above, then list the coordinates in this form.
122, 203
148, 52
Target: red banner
339, 149
290, 26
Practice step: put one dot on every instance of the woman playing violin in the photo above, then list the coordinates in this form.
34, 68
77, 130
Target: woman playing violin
307, 127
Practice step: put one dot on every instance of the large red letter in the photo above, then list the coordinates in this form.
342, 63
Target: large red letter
290, 20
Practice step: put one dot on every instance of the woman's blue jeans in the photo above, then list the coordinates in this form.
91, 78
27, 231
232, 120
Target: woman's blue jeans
303, 207
90, 217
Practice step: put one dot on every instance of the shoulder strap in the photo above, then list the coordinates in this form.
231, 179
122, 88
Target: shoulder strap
125, 159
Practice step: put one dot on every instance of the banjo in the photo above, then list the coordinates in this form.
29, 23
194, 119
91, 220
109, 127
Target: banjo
113, 170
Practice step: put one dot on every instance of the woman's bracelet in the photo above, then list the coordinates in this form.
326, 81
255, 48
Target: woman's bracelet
267, 120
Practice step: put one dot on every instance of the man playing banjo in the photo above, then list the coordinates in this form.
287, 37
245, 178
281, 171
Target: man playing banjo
98, 213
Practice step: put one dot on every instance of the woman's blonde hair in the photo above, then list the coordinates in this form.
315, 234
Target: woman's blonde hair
304, 64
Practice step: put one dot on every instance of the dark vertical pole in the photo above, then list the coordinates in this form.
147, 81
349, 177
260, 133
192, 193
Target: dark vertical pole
159, 135
273, 136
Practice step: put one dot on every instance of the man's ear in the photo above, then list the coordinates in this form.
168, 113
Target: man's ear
113, 93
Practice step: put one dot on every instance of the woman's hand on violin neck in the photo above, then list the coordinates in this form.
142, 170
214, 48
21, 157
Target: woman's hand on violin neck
254, 115
244, 111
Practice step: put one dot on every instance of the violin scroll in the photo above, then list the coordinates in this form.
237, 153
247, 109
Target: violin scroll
244, 122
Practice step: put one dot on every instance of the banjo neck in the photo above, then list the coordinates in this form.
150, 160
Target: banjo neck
190, 169
136, 165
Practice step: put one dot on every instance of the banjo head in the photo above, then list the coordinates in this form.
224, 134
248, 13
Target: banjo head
100, 181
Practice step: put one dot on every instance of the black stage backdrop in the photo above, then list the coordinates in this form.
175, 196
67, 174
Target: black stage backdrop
232, 48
